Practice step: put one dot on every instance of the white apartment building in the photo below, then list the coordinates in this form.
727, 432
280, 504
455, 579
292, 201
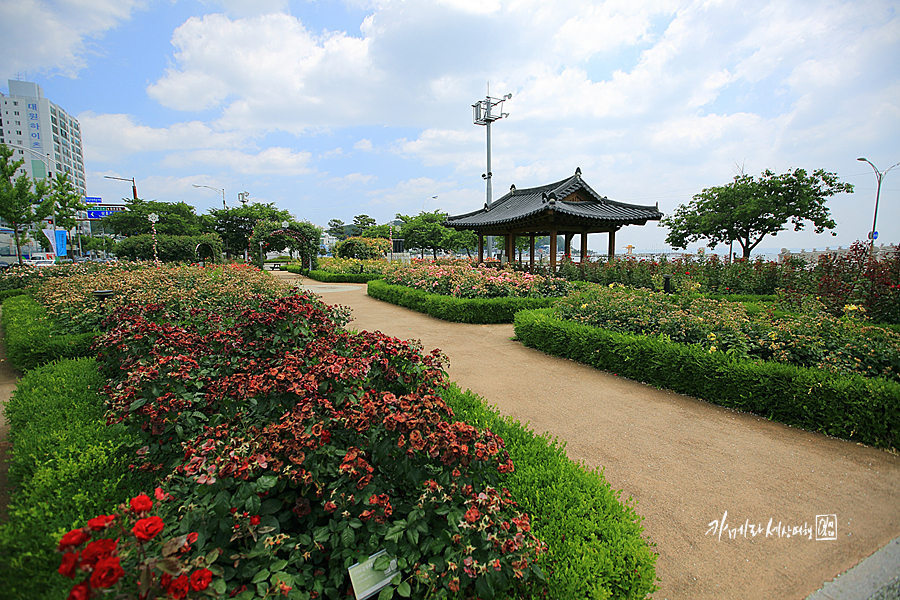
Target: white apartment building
42, 133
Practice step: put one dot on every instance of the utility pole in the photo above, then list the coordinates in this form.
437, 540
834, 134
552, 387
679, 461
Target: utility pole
485, 115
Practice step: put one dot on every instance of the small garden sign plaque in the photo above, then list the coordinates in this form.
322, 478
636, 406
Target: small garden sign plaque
366, 580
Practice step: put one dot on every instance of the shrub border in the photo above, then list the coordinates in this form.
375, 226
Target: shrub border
29, 338
457, 310
851, 407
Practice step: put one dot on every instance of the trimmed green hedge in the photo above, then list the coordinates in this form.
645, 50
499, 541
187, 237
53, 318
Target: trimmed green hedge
458, 310
328, 277
68, 466
846, 406
29, 336
11, 293
594, 542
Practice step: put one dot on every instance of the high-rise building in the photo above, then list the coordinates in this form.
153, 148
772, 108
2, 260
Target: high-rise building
42, 133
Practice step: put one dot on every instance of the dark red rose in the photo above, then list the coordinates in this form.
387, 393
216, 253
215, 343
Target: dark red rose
97, 550
178, 589
147, 529
165, 581
100, 523
107, 572
69, 563
82, 591
141, 504
74, 538
200, 579
254, 520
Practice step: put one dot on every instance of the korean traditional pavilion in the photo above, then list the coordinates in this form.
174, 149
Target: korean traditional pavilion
568, 208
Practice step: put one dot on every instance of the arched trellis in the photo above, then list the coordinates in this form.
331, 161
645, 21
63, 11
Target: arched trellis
212, 252
304, 236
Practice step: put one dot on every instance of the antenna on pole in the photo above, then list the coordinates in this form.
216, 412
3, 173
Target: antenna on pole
484, 114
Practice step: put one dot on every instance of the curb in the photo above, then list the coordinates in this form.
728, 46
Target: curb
875, 578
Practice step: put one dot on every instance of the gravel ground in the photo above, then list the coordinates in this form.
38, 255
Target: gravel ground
688, 464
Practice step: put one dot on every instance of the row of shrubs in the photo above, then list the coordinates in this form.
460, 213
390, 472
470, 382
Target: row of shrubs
67, 466
851, 407
458, 310
31, 337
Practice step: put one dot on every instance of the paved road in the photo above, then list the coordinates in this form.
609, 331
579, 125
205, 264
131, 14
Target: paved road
687, 463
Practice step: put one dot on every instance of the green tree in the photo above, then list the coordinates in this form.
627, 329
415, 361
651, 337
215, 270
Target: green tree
23, 201
748, 209
338, 229
425, 232
379, 231
462, 240
67, 203
236, 225
175, 218
361, 223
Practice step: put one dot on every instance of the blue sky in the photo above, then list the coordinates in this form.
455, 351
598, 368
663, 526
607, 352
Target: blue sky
332, 109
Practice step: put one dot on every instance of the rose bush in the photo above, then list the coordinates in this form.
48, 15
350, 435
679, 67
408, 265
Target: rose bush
299, 448
467, 281
144, 564
809, 337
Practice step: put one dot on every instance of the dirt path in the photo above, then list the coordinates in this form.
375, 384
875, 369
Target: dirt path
686, 462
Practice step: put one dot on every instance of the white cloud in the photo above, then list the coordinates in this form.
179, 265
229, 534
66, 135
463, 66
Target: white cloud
364, 145
271, 161
55, 36
112, 136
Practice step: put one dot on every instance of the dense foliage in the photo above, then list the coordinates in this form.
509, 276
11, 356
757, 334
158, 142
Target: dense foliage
169, 248
467, 281
809, 337
307, 448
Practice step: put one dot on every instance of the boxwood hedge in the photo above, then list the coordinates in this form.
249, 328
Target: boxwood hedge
30, 337
851, 407
458, 310
67, 465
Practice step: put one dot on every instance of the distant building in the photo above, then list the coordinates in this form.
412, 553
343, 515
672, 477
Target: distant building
41, 133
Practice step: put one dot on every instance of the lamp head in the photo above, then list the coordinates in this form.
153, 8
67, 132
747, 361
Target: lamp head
861, 159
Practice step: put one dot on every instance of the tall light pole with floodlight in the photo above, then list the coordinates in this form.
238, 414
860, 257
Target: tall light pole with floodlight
879, 175
221, 191
133, 184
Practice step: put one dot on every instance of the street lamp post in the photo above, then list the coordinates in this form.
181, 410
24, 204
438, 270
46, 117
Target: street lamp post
879, 175
133, 184
221, 191
46, 162
153, 218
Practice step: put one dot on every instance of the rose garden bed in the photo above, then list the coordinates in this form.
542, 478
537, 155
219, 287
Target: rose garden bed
287, 449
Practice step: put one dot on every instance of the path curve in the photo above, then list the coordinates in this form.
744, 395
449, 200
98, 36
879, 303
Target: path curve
686, 462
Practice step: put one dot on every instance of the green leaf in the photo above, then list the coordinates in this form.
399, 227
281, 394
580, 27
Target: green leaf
137, 404
261, 576
266, 482
382, 563
403, 589
386, 594
278, 565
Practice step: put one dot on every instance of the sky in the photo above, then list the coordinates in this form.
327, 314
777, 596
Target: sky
332, 109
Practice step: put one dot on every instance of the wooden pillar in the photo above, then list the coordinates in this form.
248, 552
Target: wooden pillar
583, 246
480, 248
552, 251
611, 250
568, 251
531, 260
510, 248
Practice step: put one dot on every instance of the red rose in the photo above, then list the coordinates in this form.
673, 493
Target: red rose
107, 572
178, 589
142, 503
100, 523
98, 550
165, 581
76, 537
200, 579
472, 515
69, 563
147, 529
254, 520
161, 495
82, 591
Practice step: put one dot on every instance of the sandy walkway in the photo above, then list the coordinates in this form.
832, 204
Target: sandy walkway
686, 462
